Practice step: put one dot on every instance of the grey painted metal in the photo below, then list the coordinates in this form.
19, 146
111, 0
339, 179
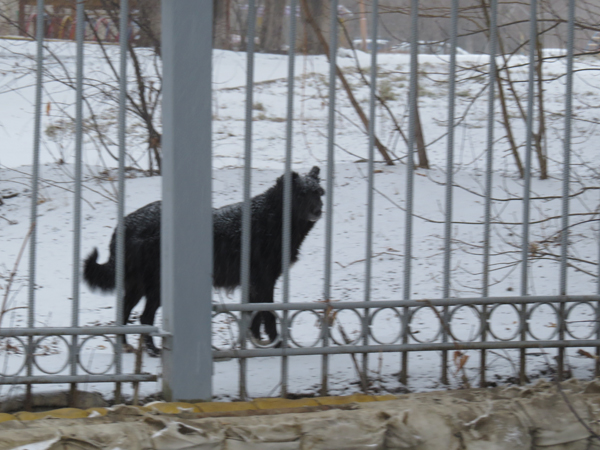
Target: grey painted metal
287, 194
246, 208
564, 235
57, 379
490, 145
393, 348
76, 277
527, 172
489, 170
410, 166
371, 152
449, 173
122, 124
405, 303
35, 176
371, 170
79, 331
186, 255
333, 45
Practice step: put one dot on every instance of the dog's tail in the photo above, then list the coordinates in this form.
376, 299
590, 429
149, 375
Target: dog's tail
99, 276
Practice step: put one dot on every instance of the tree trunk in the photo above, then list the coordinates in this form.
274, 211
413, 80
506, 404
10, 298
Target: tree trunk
541, 134
271, 32
221, 32
308, 40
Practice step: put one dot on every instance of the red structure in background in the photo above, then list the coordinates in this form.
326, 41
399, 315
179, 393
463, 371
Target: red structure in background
59, 22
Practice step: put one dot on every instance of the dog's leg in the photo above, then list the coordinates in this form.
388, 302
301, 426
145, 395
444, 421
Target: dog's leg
132, 297
147, 318
269, 318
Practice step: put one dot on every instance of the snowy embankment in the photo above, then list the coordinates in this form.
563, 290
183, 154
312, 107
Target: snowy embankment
54, 263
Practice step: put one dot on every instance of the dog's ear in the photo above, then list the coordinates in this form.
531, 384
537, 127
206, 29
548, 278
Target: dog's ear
314, 172
281, 179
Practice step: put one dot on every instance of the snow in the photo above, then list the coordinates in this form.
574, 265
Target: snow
55, 223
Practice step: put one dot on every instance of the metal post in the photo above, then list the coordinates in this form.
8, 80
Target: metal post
77, 197
329, 199
246, 208
186, 246
488, 178
287, 193
120, 247
410, 174
371, 180
564, 241
35, 187
527, 183
449, 178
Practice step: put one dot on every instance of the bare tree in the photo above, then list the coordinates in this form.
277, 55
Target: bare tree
271, 31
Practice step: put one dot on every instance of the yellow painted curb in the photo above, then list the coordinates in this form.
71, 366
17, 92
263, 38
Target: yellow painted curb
6, 417
26, 415
172, 407
271, 403
63, 413
342, 400
209, 407
206, 407
67, 413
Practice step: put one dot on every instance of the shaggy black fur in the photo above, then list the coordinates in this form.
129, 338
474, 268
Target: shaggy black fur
142, 250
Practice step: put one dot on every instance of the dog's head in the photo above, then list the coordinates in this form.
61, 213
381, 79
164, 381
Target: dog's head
307, 193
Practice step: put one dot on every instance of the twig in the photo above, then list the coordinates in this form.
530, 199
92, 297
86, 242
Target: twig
10, 222
138, 370
310, 19
364, 259
568, 402
446, 327
14, 272
363, 380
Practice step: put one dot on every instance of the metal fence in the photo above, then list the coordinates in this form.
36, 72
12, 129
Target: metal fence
187, 354
31, 339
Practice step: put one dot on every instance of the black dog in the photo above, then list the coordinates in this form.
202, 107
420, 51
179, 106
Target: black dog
142, 250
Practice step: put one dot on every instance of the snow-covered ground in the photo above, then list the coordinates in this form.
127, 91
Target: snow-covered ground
54, 263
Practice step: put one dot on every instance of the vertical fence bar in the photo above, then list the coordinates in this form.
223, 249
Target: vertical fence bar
488, 177
120, 247
564, 235
371, 181
527, 183
77, 189
39, 60
246, 208
449, 177
330, 178
287, 193
410, 175
186, 222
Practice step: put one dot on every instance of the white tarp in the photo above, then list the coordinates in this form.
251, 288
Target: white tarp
533, 417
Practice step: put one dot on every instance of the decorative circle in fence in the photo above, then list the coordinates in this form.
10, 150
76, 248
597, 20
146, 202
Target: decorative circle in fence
51, 354
581, 320
421, 324
346, 326
379, 325
96, 354
14, 352
542, 320
504, 322
306, 328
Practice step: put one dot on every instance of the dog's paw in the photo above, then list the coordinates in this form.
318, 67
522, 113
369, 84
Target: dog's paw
153, 352
128, 348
